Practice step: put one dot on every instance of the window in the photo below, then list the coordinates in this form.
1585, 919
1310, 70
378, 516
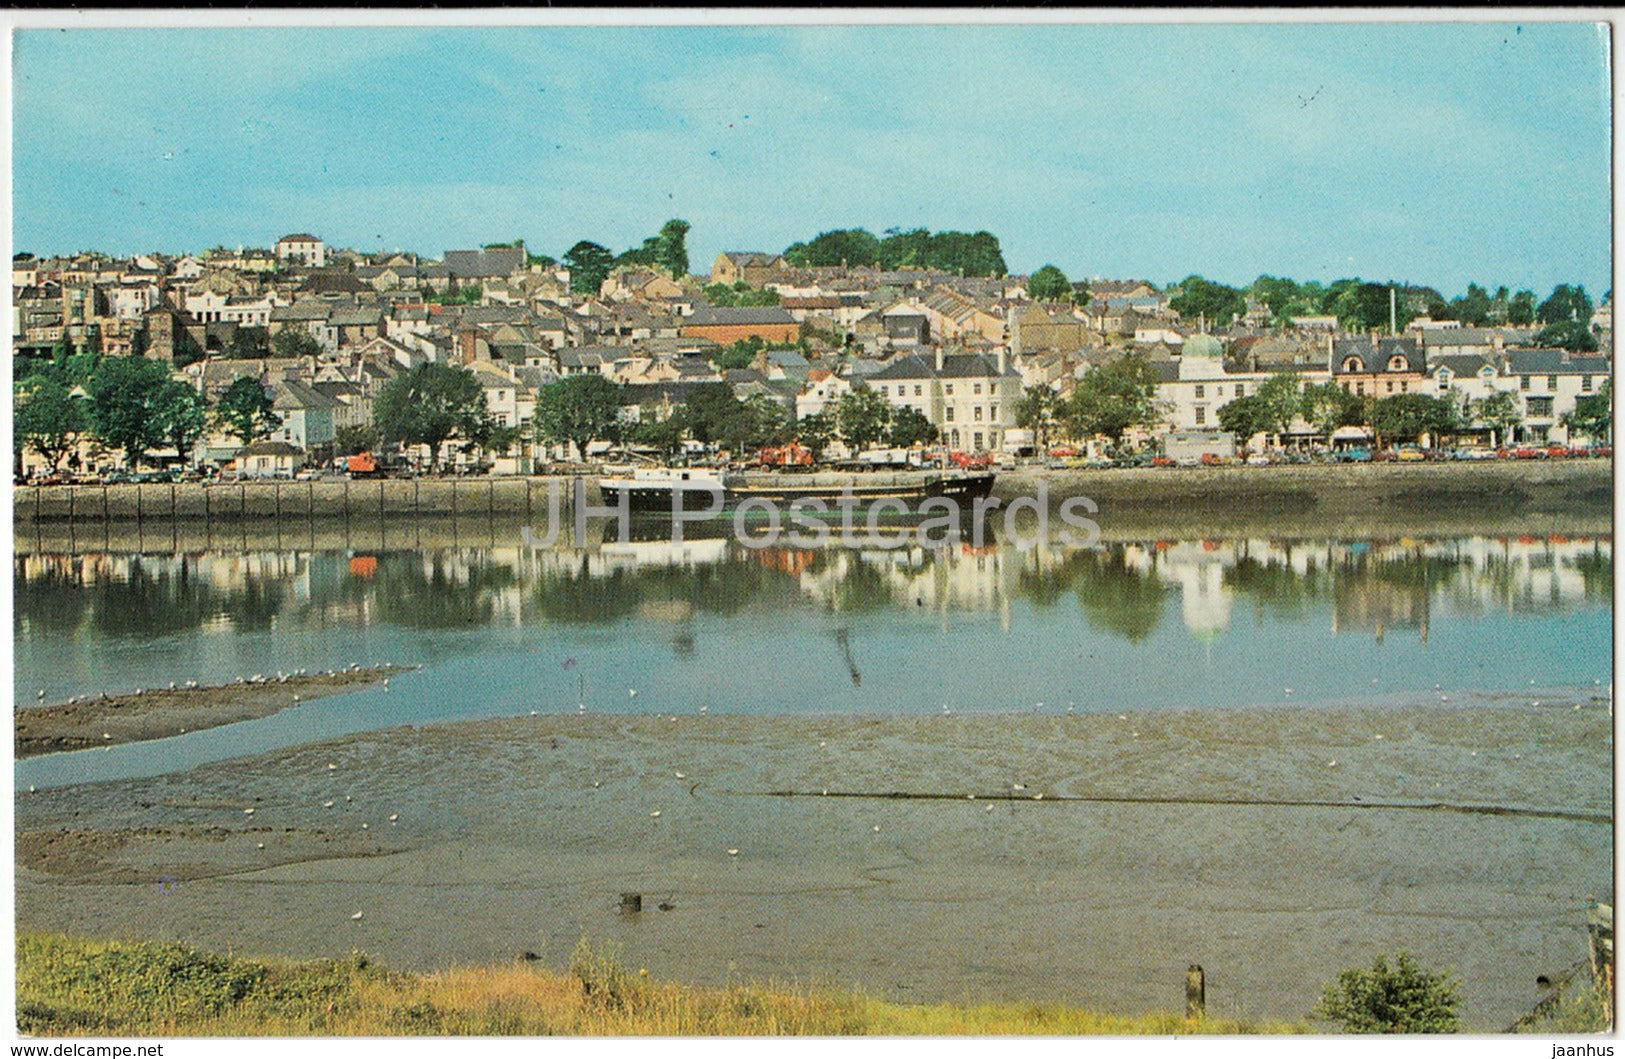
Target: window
1201, 391
1201, 416
950, 411
977, 413
1397, 363
882, 391
1585, 384
1523, 382
976, 389
1404, 386
976, 441
1551, 382
1353, 364
1538, 406
1390, 386
993, 413
916, 389
1218, 391
1359, 388
948, 389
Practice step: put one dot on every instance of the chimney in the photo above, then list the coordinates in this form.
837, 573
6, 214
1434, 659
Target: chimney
1002, 361
939, 357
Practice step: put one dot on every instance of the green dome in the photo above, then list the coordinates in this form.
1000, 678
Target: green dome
1202, 346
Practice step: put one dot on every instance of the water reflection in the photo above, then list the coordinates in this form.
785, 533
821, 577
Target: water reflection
1125, 590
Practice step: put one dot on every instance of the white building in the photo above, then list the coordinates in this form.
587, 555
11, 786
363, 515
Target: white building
301, 249
969, 397
1202, 386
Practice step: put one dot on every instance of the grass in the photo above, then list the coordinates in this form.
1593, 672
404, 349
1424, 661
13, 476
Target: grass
71, 986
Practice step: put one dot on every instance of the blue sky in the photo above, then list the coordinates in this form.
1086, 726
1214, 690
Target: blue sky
1433, 153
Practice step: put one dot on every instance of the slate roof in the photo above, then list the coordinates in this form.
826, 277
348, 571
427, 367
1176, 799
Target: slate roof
710, 316
1554, 362
1375, 358
954, 366
484, 264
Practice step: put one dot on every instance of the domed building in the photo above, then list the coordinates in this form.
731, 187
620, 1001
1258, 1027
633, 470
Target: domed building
1201, 357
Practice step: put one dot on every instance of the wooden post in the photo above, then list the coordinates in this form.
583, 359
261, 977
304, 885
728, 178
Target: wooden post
631, 903
138, 511
1195, 992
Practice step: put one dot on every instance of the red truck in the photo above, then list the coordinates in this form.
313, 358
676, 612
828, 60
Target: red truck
362, 465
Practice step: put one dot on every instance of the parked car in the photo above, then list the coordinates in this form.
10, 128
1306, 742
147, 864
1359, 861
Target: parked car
1409, 454
1161, 461
1355, 455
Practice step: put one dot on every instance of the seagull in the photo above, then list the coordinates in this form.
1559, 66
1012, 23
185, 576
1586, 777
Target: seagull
733, 853
363, 827
705, 709
30, 788
990, 807
248, 812
596, 783
876, 829
327, 805
1122, 717
296, 698
259, 845
655, 813
171, 685
1018, 786
107, 735
1332, 763
631, 693
1379, 735
533, 713
1288, 691
40, 694
682, 776
356, 917
332, 767
140, 691
394, 817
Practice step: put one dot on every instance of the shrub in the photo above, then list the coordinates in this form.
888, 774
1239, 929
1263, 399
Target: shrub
1404, 998
604, 980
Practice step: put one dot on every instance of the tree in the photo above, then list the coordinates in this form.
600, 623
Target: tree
430, 404
1203, 298
1281, 296
1049, 284
1521, 309
250, 343
672, 254
1329, 406
740, 294
185, 416
1365, 306
759, 421
1593, 414
814, 433
1404, 998
47, 417
850, 246
1112, 398
1499, 412
665, 435
292, 342
710, 410
355, 438
577, 410
1407, 416
1567, 304
1035, 411
910, 427
1572, 335
1473, 308
1245, 416
861, 416
1279, 401
589, 264
244, 410
127, 410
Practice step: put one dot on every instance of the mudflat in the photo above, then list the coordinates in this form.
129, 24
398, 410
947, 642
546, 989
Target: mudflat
158, 713
1086, 858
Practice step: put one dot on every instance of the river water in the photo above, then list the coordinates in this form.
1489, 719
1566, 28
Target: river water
719, 627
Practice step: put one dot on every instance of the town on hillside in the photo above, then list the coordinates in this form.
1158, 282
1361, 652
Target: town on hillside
303, 359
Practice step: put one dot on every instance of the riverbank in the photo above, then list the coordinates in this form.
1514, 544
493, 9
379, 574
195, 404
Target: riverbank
208, 995
1084, 860
1530, 487
159, 713
1518, 498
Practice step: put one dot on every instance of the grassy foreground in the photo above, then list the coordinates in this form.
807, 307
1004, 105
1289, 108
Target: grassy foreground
68, 986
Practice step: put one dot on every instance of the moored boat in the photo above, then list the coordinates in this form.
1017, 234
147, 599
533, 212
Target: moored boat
656, 488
